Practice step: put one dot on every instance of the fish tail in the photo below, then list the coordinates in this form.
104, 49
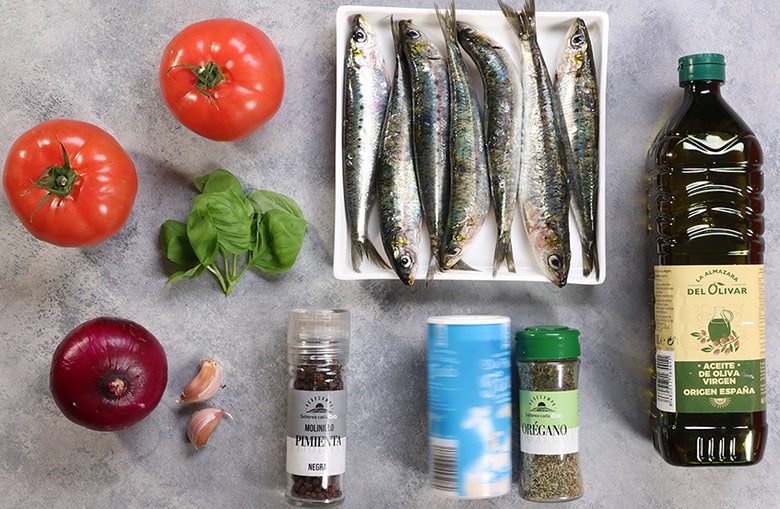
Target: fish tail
433, 267
358, 253
447, 22
365, 249
522, 22
395, 29
590, 258
503, 253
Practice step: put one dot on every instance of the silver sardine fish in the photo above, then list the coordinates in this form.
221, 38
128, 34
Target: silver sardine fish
400, 212
502, 119
469, 187
430, 125
366, 89
544, 194
575, 82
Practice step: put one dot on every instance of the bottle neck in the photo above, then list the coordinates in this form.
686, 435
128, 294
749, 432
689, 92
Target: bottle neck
702, 87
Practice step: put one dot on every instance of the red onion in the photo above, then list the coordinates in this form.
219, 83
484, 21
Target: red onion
108, 374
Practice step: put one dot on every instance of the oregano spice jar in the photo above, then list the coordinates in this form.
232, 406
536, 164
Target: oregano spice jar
317, 352
548, 370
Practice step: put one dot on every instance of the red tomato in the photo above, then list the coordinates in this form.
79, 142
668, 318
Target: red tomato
77, 198
222, 78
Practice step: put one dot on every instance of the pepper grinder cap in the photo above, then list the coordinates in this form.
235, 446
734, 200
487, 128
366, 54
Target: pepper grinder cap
548, 342
318, 334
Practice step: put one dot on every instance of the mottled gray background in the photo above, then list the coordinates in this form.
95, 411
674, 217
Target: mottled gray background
97, 61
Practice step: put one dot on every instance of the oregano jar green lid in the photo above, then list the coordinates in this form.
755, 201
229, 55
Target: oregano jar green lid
547, 343
701, 66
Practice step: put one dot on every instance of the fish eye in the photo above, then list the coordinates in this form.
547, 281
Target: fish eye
359, 36
555, 262
577, 40
405, 262
414, 34
453, 251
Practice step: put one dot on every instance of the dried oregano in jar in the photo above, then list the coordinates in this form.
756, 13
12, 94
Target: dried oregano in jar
548, 369
317, 350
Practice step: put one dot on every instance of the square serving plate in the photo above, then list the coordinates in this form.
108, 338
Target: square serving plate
551, 30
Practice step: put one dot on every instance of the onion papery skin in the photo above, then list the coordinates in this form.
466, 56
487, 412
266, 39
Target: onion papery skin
98, 352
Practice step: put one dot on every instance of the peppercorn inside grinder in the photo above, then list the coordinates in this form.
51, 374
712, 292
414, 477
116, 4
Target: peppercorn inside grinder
548, 370
317, 352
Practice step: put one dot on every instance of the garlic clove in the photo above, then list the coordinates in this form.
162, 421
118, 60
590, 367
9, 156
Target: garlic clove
205, 384
202, 424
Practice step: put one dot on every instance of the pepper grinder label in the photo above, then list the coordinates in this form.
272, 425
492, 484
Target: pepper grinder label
316, 433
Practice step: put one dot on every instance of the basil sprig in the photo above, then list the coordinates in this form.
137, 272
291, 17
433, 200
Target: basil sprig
227, 232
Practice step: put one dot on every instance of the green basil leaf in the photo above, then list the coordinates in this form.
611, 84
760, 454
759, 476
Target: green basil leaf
263, 229
263, 201
219, 181
278, 242
230, 218
183, 275
173, 237
202, 234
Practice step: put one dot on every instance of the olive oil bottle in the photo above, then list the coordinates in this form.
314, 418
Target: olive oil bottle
705, 224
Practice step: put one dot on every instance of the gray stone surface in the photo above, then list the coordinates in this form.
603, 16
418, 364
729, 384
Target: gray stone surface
97, 61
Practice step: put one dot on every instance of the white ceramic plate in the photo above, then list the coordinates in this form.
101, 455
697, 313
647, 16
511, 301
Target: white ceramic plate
551, 30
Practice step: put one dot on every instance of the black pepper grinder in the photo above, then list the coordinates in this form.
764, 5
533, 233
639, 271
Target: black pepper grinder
317, 351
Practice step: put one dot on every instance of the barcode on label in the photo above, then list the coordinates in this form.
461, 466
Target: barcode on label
444, 465
664, 382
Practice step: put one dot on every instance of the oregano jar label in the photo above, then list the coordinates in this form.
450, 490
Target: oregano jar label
549, 422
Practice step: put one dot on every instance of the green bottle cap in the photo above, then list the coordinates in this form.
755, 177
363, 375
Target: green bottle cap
547, 343
702, 66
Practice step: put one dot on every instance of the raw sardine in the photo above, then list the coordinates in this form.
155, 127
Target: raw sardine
575, 82
366, 89
544, 193
469, 187
430, 125
400, 213
502, 118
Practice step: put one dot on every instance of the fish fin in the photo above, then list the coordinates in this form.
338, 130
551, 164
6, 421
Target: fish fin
590, 258
503, 253
461, 265
396, 31
374, 256
365, 249
358, 253
433, 267
522, 22
587, 262
447, 22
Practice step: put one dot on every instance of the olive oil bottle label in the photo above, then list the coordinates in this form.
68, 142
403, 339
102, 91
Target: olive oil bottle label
710, 338
549, 422
316, 432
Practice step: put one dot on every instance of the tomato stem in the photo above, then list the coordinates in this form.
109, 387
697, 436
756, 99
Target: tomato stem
207, 78
55, 180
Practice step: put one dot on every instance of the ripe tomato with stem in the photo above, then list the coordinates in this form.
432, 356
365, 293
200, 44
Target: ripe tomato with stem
70, 183
222, 78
